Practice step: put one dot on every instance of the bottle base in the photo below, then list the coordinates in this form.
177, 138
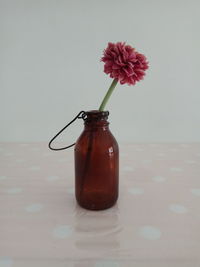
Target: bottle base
96, 207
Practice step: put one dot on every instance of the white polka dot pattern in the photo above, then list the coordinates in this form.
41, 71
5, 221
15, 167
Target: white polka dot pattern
52, 178
14, 190
34, 168
109, 263
34, 208
136, 191
158, 209
62, 231
177, 208
176, 169
150, 232
6, 262
196, 191
127, 168
159, 178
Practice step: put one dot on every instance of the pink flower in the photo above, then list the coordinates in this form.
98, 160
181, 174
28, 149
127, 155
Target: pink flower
123, 63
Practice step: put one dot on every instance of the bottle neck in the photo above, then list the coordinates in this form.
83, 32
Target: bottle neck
96, 119
98, 126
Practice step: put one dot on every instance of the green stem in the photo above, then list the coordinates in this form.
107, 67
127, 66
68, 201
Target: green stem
108, 94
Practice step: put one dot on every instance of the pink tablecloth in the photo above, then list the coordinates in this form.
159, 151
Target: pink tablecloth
156, 222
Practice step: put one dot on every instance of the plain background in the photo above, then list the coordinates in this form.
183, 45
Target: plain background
50, 68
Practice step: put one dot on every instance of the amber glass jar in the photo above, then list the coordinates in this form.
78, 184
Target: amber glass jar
96, 163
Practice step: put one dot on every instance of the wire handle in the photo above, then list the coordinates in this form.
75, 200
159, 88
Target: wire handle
81, 115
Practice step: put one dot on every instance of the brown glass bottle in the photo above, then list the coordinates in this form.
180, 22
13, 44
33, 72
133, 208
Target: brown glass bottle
96, 163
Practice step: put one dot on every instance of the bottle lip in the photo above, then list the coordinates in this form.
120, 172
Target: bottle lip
96, 115
97, 112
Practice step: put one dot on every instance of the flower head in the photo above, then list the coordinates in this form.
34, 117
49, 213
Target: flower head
124, 63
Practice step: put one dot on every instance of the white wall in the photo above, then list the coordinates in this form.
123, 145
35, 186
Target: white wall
50, 68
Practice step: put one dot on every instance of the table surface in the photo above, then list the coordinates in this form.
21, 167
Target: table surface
155, 223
